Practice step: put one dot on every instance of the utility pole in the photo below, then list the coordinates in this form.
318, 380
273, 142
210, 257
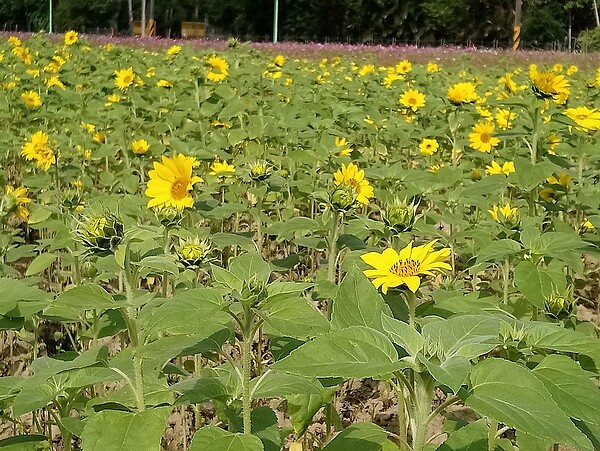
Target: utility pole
596, 13
143, 18
50, 17
516, 41
275, 20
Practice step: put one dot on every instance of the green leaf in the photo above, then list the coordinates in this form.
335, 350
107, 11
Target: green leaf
293, 316
265, 427
118, 430
250, 265
40, 264
212, 438
301, 409
472, 437
291, 228
498, 251
16, 292
359, 436
201, 389
281, 384
71, 303
357, 303
227, 278
533, 283
452, 372
32, 442
354, 352
467, 335
157, 264
570, 387
510, 394
403, 335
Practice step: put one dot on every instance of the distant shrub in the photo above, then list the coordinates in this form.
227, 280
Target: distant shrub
589, 40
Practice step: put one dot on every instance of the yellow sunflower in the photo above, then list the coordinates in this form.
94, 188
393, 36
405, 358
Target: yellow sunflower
124, 78
140, 146
563, 179
55, 81
218, 69
507, 168
587, 119
164, 84
550, 85
279, 60
221, 169
481, 138
71, 37
343, 148
428, 146
366, 70
15, 201
354, 177
403, 67
505, 118
412, 99
37, 149
460, 93
393, 269
173, 50
506, 214
31, 99
171, 182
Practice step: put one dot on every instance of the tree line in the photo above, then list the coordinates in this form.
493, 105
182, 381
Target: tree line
451, 21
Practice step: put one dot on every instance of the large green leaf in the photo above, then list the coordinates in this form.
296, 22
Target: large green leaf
511, 394
294, 317
451, 372
356, 351
16, 292
280, 384
301, 409
40, 263
534, 283
467, 335
357, 303
72, 303
117, 430
212, 438
250, 266
403, 334
472, 437
265, 427
359, 436
570, 387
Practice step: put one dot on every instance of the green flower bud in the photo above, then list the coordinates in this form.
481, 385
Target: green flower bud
259, 171
88, 269
101, 234
343, 197
193, 252
169, 216
72, 199
400, 215
559, 306
254, 290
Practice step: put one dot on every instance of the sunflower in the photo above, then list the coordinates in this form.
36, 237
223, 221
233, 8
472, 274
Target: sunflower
428, 146
31, 99
366, 70
164, 84
564, 179
71, 37
171, 182
548, 85
353, 177
393, 269
279, 60
140, 146
124, 78
218, 69
342, 147
507, 168
505, 118
460, 93
432, 68
481, 138
173, 50
221, 169
15, 201
507, 214
403, 67
412, 99
587, 119
55, 81
37, 148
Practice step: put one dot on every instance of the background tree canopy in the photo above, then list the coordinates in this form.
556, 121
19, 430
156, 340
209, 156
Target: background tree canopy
452, 21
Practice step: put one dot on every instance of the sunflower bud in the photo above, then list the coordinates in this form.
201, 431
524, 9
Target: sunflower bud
72, 199
259, 171
193, 252
343, 197
476, 174
400, 215
101, 234
254, 290
232, 42
169, 216
559, 306
8, 204
88, 269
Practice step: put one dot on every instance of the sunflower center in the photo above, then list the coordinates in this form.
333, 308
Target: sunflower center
406, 268
412, 101
179, 189
485, 138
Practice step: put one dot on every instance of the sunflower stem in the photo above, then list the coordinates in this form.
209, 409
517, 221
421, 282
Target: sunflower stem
332, 255
411, 303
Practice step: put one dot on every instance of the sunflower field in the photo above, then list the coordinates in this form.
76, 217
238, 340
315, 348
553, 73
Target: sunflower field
243, 250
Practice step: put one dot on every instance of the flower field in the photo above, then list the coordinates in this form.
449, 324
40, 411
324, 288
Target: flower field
242, 250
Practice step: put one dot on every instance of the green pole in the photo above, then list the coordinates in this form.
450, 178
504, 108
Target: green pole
275, 20
50, 18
